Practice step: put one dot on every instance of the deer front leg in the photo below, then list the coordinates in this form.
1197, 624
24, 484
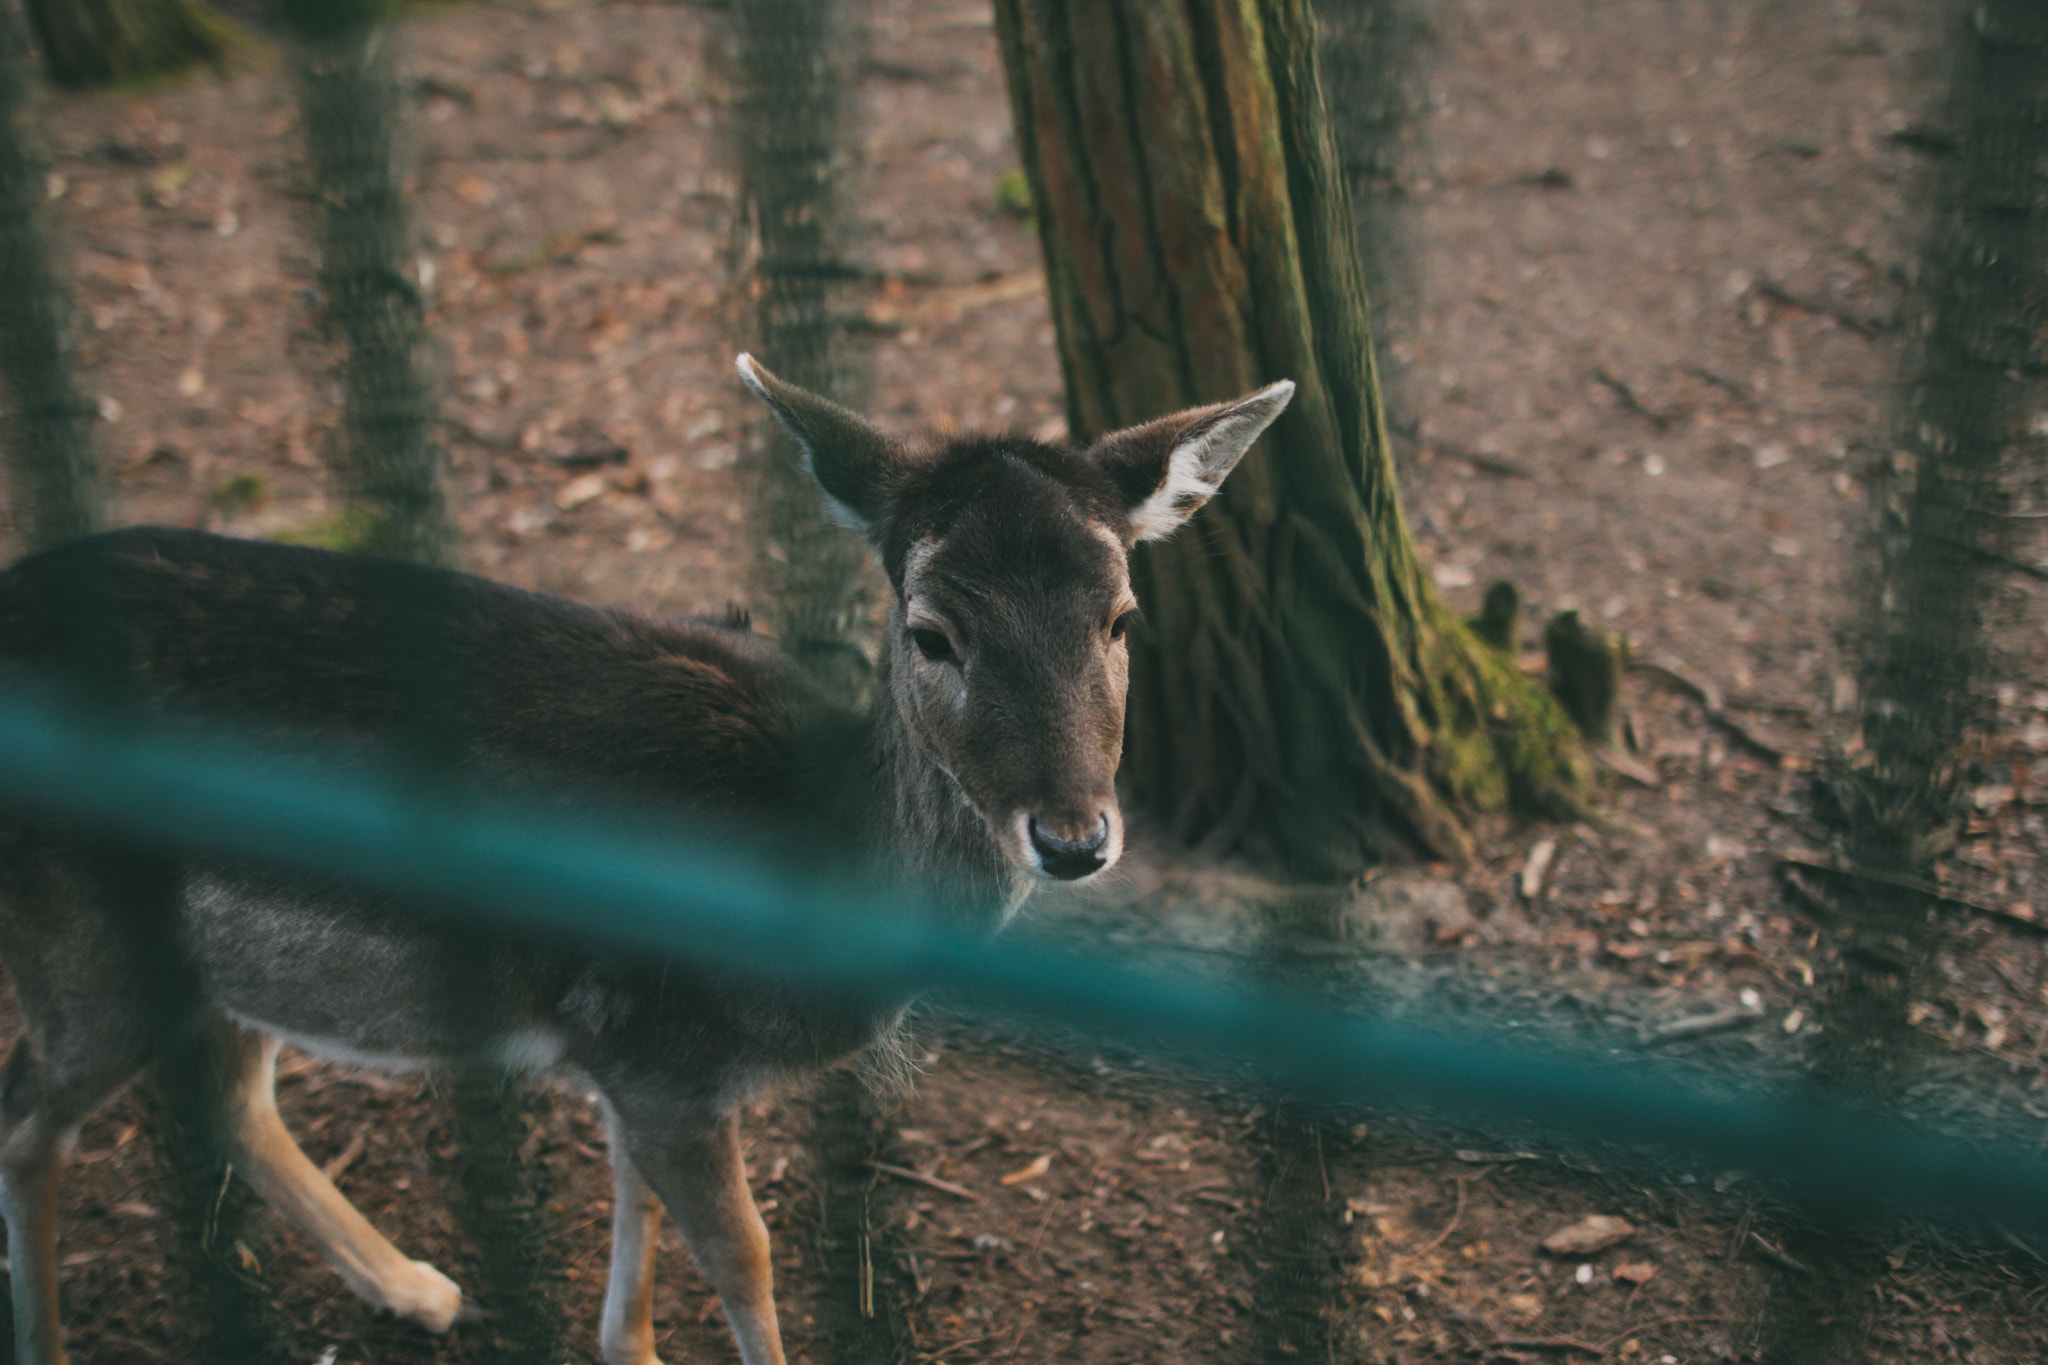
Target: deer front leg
28, 1199
627, 1335
692, 1161
266, 1156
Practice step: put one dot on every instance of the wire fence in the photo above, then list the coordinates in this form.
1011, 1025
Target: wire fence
657, 885
627, 880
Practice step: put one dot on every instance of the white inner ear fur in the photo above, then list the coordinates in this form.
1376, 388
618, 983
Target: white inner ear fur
839, 512
1199, 463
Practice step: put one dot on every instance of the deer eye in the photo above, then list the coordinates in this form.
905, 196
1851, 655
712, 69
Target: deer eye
1122, 625
934, 645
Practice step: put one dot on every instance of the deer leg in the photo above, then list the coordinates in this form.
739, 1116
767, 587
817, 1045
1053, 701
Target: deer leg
265, 1155
40, 1105
627, 1335
692, 1160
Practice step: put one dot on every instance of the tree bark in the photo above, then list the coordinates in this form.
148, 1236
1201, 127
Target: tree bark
105, 42
814, 577
348, 98
50, 448
1300, 693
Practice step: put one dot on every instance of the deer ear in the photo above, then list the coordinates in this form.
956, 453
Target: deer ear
1168, 467
849, 457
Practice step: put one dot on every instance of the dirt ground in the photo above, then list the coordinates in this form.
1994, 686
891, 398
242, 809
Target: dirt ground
1649, 368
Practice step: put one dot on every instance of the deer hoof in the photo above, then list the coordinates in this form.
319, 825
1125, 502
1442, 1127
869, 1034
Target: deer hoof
431, 1299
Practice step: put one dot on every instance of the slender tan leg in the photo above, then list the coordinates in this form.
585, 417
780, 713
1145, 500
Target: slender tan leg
28, 1198
627, 1336
693, 1163
266, 1156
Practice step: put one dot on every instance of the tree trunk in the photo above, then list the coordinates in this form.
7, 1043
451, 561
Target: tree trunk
106, 42
817, 582
814, 577
348, 99
1300, 693
50, 455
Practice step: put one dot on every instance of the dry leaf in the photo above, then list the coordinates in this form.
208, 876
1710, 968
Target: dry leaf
580, 490
1634, 1272
1589, 1236
1031, 1172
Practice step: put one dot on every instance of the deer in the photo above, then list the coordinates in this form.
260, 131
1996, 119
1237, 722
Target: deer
984, 765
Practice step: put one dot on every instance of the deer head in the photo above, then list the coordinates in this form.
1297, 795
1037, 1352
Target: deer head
1006, 658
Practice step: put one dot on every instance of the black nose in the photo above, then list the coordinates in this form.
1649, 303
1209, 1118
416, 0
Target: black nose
1068, 859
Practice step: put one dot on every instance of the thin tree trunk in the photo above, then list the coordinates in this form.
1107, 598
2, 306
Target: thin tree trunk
815, 578
1925, 677
1300, 693
49, 419
106, 42
348, 97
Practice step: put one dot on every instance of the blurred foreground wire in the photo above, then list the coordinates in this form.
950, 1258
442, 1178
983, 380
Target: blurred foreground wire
626, 881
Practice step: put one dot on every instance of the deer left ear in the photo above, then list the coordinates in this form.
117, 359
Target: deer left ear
1168, 467
852, 460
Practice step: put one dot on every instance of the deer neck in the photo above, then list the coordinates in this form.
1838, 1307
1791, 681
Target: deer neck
911, 812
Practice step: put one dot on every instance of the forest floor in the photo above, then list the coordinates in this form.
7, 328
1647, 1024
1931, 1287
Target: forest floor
1646, 360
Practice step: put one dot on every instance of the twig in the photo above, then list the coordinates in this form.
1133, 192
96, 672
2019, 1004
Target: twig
1735, 387
1861, 326
930, 1356
1700, 1025
1564, 1344
930, 1182
1655, 1323
2004, 561
1782, 1259
1496, 465
344, 1158
1933, 894
1626, 396
1709, 701
1457, 1212
1805, 897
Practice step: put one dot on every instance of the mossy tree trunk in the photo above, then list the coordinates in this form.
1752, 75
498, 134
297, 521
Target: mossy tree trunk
105, 42
1300, 693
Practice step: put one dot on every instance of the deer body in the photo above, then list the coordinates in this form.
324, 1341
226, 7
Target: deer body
987, 762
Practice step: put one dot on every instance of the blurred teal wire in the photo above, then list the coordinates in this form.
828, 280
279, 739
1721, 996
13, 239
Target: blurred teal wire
659, 886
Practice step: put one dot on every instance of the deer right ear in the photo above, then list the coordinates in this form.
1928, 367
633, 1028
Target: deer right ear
1168, 467
848, 455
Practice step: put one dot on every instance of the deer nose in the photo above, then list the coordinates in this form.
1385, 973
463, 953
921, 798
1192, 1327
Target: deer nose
1069, 859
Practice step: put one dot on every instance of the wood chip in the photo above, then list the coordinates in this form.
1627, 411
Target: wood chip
1536, 867
1036, 1169
1589, 1236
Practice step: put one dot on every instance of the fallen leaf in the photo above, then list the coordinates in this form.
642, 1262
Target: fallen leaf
1031, 1172
1589, 1236
580, 490
1634, 1272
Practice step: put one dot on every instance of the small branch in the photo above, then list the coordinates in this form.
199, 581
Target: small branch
1498, 466
1861, 326
1709, 701
930, 1182
1933, 894
1565, 1345
1655, 1323
1783, 1260
1626, 396
1989, 556
1457, 1212
1700, 1025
